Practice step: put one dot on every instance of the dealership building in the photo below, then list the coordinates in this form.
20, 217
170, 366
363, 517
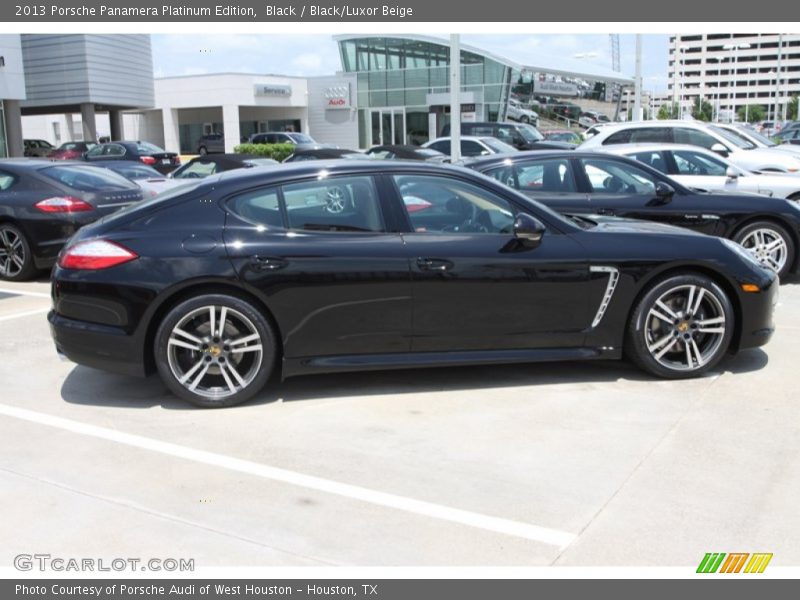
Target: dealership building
391, 89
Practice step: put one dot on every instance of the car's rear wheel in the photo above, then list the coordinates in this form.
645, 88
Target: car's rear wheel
16, 258
770, 243
215, 350
202, 150
681, 327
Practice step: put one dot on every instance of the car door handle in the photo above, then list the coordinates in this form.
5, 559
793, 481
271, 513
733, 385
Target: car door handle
434, 264
605, 211
267, 263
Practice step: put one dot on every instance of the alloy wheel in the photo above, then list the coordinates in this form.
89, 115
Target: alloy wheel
215, 351
685, 327
768, 247
12, 253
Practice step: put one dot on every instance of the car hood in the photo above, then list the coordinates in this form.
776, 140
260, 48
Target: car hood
621, 225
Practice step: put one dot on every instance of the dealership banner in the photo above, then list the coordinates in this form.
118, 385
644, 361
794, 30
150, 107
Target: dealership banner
391, 11
390, 589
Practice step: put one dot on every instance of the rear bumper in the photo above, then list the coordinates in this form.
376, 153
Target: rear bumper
98, 346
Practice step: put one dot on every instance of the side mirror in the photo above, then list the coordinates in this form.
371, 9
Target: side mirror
664, 192
528, 230
731, 173
719, 149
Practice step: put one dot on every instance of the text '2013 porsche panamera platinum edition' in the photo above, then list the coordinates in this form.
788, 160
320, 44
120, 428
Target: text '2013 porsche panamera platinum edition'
365, 265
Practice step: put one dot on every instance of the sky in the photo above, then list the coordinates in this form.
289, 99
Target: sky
308, 55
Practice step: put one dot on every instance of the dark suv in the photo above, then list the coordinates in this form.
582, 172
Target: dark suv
520, 135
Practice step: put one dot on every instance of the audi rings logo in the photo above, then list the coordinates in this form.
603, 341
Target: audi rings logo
338, 96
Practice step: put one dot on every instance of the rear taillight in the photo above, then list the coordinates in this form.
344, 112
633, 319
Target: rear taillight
63, 204
95, 254
148, 160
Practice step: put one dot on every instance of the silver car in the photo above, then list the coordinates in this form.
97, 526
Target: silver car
702, 169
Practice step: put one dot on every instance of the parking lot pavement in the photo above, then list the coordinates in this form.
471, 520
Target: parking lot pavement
566, 464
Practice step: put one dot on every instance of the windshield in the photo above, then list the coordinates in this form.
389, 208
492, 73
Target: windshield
754, 135
497, 146
301, 138
737, 139
530, 133
87, 179
147, 147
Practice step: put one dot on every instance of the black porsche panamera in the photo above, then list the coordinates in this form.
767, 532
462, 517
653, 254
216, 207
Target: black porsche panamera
354, 265
576, 182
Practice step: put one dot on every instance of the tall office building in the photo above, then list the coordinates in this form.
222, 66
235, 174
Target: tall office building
735, 70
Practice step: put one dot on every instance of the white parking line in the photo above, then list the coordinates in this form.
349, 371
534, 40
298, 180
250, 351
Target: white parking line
24, 293
518, 529
27, 313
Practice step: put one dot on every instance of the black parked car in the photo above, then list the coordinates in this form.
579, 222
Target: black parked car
145, 152
407, 152
520, 135
209, 164
333, 266
42, 203
599, 183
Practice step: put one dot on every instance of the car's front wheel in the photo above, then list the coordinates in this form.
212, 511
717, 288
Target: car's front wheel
681, 327
215, 350
202, 150
770, 243
16, 258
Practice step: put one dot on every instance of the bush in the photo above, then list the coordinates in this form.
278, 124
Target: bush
275, 151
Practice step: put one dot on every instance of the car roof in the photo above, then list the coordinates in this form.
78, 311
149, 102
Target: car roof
648, 147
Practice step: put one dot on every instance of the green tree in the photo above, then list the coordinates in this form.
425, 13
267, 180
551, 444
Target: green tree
702, 110
752, 114
669, 111
791, 108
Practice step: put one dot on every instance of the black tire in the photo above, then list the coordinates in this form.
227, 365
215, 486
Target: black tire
647, 335
746, 234
219, 387
202, 150
524, 119
16, 257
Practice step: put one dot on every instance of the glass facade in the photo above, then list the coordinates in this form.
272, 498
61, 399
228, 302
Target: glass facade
396, 76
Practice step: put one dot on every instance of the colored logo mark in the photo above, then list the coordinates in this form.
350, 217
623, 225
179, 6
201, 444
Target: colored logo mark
734, 562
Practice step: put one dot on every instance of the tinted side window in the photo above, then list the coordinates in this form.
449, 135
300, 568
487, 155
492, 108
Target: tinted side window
694, 163
444, 204
693, 137
613, 177
6, 180
655, 159
470, 148
651, 135
334, 204
442, 146
550, 175
259, 206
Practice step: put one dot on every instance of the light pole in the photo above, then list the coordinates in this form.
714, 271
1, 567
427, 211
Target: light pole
772, 74
735, 48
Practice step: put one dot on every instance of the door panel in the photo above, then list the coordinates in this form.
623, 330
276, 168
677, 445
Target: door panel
332, 291
475, 286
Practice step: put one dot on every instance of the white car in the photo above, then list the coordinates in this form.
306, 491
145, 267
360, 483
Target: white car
472, 146
592, 117
741, 153
704, 170
517, 112
760, 140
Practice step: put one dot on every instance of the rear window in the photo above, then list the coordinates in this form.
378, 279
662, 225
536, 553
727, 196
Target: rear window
87, 179
498, 146
148, 148
301, 138
134, 171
